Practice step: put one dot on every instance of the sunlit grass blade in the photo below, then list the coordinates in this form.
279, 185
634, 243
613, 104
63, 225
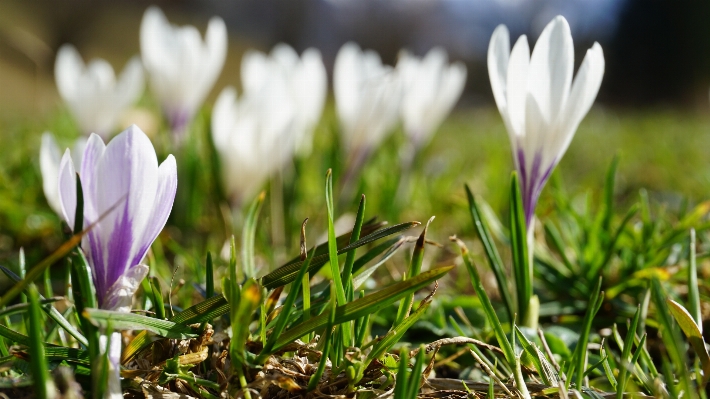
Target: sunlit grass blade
51, 311
494, 260
544, 369
578, 365
626, 355
363, 306
241, 316
332, 242
209, 277
396, 244
694, 334
693, 294
248, 236
608, 209
503, 341
401, 384
671, 338
131, 321
283, 317
350, 257
287, 273
157, 296
522, 267
44, 388
415, 267
416, 376
327, 336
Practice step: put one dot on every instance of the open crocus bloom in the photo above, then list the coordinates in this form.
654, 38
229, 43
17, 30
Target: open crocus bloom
431, 86
123, 185
93, 94
251, 135
182, 68
540, 105
306, 84
367, 97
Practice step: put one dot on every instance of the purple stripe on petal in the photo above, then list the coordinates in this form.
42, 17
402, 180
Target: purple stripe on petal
532, 182
119, 249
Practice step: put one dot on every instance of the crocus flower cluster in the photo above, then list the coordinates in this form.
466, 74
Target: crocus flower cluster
181, 67
367, 97
257, 134
540, 104
91, 91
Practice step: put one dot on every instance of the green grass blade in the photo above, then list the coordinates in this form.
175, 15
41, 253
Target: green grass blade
671, 337
580, 353
43, 386
131, 321
248, 236
350, 257
694, 334
522, 267
249, 302
626, 354
327, 336
401, 384
283, 317
492, 255
503, 341
51, 311
416, 376
287, 273
415, 267
544, 369
693, 294
157, 296
608, 210
363, 306
209, 277
332, 242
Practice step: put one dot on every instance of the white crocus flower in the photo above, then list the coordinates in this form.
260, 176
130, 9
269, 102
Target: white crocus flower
251, 135
431, 87
182, 68
540, 104
367, 97
50, 156
91, 91
306, 81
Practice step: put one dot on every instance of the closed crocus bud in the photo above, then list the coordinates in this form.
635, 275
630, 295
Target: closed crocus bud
252, 137
91, 91
50, 156
306, 83
540, 104
367, 96
181, 67
431, 86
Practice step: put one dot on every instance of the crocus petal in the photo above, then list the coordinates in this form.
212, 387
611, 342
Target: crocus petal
551, 67
498, 55
517, 83
120, 295
49, 158
67, 188
584, 91
67, 70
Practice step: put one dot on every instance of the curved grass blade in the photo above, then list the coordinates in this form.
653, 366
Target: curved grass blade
363, 306
131, 321
248, 236
692, 331
522, 265
287, 273
494, 260
40, 373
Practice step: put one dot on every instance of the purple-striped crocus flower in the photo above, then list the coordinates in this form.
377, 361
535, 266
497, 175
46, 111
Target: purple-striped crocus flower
131, 197
540, 104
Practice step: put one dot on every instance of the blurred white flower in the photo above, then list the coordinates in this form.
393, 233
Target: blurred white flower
367, 96
182, 68
306, 81
50, 157
431, 86
540, 105
93, 94
251, 135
